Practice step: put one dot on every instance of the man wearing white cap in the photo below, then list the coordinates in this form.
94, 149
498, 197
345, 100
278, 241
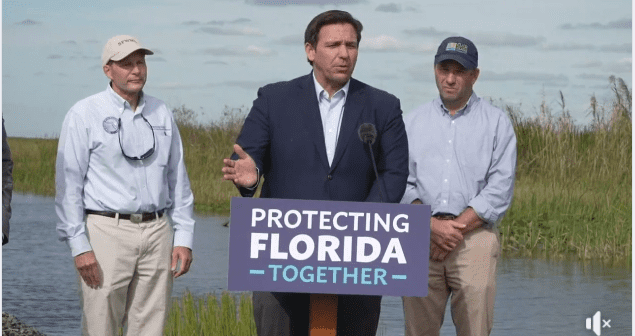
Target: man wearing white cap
120, 171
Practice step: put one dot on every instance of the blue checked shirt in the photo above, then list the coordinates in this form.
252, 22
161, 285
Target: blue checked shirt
460, 161
92, 173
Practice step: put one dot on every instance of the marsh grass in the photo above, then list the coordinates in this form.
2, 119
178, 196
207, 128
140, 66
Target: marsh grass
205, 146
33, 165
573, 183
232, 315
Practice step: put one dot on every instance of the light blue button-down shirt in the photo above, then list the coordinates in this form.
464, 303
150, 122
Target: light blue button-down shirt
92, 173
460, 161
331, 111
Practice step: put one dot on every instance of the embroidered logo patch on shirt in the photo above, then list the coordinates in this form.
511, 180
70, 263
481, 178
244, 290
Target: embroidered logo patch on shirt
453, 46
111, 125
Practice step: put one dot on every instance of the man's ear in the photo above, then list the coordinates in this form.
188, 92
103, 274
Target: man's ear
477, 72
106, 69
310, 51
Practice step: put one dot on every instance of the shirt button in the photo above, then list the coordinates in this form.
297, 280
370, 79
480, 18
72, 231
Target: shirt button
450, 141
330, 177
446, 180
444, 201
448, 160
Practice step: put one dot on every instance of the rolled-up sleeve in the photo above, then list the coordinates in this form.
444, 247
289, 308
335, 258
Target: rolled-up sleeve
180, 193
492, 202
70, 171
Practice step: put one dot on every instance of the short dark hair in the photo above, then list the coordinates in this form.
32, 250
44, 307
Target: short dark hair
327, 18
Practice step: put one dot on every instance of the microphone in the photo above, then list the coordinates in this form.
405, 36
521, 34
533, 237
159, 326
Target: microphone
367, 134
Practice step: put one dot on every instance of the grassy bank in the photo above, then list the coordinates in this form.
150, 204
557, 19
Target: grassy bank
232, 315
573, 183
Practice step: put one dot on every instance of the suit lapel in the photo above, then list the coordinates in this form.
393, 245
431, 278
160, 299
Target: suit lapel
352, 110
309, 105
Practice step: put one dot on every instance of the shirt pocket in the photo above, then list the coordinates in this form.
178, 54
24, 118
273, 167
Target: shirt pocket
163, 138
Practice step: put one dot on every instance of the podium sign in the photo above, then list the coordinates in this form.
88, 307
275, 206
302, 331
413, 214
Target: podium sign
282, 245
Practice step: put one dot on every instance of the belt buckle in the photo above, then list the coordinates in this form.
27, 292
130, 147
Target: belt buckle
136, 218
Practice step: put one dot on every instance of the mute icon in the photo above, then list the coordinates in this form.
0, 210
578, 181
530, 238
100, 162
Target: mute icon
593, 323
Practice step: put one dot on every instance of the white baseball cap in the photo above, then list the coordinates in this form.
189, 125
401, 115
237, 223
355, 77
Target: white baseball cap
119, 47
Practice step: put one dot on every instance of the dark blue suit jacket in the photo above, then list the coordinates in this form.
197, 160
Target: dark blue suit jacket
283, 134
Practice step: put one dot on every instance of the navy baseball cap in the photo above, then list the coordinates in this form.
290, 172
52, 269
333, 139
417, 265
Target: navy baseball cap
459, 49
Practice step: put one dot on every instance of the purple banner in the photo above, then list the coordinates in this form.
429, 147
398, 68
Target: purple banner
282, 245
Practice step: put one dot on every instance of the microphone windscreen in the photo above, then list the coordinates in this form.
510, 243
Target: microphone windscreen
367, 133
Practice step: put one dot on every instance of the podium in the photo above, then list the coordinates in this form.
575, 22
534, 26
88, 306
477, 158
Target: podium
325, 248
323, 315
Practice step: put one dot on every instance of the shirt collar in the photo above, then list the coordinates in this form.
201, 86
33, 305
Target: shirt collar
465, 109
120, 102
319, 89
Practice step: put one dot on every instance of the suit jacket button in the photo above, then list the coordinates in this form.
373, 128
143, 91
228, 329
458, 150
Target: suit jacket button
330, 177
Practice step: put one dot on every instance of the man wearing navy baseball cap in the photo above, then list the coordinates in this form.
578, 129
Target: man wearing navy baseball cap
462, 163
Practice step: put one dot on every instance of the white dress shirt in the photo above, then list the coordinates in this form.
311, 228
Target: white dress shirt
460, 161
92, 173
331, 111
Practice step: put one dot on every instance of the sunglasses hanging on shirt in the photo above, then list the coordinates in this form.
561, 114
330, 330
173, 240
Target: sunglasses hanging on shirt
146, 154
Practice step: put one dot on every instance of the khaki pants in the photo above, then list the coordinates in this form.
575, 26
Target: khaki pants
134, 260
469, 274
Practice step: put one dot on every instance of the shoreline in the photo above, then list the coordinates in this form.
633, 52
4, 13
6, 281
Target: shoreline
12, 326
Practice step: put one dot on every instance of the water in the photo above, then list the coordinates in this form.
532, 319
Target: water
534, 297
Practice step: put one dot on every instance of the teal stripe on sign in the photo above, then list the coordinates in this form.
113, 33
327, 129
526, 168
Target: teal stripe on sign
256, 272
399, 277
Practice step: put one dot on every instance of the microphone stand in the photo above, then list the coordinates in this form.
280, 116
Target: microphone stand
372, 158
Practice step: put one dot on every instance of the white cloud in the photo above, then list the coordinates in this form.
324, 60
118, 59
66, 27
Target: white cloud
566, 46
619, 24
297, 40
620, 48
389, 8
302, 2
240, 52
587, 64
430, 31
602, 77
495, 39
387, 43
624, 65
528, 77
230, 31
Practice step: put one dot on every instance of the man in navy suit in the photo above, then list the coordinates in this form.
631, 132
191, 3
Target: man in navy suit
302, 136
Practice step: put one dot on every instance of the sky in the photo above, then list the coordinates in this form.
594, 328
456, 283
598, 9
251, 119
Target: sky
214, 54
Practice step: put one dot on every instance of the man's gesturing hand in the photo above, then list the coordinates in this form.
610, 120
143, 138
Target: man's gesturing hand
446, 233
88, 268
242, 171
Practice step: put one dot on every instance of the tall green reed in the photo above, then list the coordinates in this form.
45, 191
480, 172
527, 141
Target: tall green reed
232, 316
573, 183
205, 146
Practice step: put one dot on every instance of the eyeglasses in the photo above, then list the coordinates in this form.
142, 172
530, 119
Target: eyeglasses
148, 153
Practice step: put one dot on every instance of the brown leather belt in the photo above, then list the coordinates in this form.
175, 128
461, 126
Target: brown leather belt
135, 218
444, 216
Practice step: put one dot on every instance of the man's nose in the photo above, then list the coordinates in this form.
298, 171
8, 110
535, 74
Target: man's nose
343, 52
451, 78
